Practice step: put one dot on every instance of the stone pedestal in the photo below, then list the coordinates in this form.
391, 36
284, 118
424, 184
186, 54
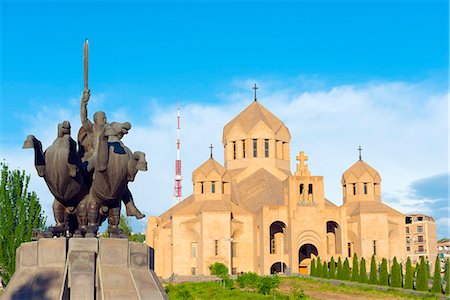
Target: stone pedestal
84, 268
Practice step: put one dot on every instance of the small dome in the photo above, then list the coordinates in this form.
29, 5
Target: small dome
251, 116
210, 169
360, 172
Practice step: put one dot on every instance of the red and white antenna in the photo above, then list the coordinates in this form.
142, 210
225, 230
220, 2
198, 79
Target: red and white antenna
177, 191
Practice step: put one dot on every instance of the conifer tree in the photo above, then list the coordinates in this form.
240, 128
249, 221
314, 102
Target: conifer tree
373, 276
318, 271
355, 268
396, 275
447, 277
401, 274
20, 213
346, 270
332, 272
422, 280
437, 283
408, 275
312, 267
325, 270
363, 271
339, 269
383, 273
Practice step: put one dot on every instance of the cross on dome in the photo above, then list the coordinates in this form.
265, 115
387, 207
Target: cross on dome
255, 88
211, 148
360, 149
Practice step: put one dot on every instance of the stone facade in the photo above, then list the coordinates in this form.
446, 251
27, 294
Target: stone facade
253, 214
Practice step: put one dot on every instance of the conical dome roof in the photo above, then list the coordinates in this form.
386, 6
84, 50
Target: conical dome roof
360, 172
208, 167
251, 116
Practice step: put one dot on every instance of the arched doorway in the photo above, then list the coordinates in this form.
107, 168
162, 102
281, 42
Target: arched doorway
276, 268
334, 244
305, 254
277, 238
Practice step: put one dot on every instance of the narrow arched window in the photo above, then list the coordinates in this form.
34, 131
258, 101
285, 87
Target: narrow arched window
365, 188
310, 188
301, 188
202, 187
234, 150
243, 148
213, 186
354, 189
266, 148
255, 148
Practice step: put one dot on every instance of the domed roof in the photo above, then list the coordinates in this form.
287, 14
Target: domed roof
208, 167
252, 115
360, 172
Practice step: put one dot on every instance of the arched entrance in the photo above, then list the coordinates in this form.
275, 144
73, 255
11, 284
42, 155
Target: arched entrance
277, 239
334, 244
305, 254
276, 268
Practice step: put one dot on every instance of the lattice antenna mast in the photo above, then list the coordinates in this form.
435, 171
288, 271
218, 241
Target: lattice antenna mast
177, 191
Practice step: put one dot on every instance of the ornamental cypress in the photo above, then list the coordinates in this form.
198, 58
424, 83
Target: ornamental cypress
447, 277
318, 271
325, 270
312, 267
346, 270
396, 275
384, 276
373, 276
408, 275
355, 268
437, 283
363, 272
422, 280
339, 269
332, 272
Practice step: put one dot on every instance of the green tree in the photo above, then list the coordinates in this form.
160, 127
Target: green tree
447, 277
363, 271
355, 268
20, 213
124, 224
346, 270
422, 280
339, 269
325, 270
384, 276
408, 275
437, 283
373, 276
218, 269
332, 272
318, 272
138, 238
396, 275
312, 268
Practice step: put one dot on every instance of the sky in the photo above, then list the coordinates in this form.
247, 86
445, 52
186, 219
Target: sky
339, 74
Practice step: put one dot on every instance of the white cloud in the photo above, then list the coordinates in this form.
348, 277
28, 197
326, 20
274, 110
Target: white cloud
401, 127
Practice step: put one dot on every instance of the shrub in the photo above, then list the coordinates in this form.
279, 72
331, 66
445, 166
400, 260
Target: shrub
312, 268
332, 272
218, 269
384, 276
373, 277
248, 280
437, 283
355, 268
346, 270
339, 269
296, 294
408, 275
396, 275
268, 283
363, 272
422, 280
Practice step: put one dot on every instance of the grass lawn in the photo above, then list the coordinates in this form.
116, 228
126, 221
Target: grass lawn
312, 290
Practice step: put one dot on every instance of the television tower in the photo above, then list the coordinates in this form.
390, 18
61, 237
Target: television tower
177, 191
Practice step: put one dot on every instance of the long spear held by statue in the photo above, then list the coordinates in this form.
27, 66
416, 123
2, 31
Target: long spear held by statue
86, 64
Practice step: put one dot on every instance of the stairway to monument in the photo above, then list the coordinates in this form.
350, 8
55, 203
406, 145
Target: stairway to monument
83, 268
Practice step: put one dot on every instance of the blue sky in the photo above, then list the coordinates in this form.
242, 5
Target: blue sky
322, 67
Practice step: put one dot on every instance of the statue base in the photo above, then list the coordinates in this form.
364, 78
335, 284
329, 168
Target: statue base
84, 268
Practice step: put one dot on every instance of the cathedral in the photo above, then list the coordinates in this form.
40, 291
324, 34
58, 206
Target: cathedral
254, 214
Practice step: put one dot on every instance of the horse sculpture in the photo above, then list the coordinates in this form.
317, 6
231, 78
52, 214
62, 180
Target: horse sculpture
59, 165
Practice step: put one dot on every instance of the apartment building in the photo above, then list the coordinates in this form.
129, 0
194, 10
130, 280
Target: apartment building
421, 237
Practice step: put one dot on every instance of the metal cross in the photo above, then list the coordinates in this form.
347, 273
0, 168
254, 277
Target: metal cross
211, 147
360, 149
255, 88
